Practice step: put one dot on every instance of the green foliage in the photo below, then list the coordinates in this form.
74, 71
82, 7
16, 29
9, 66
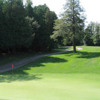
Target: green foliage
29, 8
17, 31
92, 34
33, 24
96, 35
88, 34
59, 34
42, 40
1, 24
24, 28
71, 25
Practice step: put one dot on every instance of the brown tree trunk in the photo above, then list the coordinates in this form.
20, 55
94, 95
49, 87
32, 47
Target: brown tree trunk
74, 45
73, 30
74, 48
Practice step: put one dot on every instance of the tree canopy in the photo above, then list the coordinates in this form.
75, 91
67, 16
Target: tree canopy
71, 24
37, 28
24, 27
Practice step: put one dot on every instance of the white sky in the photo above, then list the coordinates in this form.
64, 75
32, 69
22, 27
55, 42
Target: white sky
92, 7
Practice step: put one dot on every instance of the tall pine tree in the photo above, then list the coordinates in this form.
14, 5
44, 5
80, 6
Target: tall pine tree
72, 23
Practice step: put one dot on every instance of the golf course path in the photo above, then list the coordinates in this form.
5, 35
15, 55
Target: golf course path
20, 63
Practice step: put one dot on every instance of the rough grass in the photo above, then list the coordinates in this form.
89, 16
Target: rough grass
66, 76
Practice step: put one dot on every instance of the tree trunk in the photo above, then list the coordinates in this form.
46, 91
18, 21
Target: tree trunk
74, 45
73, 30
74, 48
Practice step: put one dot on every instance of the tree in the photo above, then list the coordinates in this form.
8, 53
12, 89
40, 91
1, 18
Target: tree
34, 28
59, 34
88, 36
18, 33
29, 8
24, 27
49, 17
2, 24
92, 34
96, 35
72, 23
33, 24
45, 18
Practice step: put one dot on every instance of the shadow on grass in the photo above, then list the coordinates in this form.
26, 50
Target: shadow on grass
88, 55
83, 54
20, 74
81, 69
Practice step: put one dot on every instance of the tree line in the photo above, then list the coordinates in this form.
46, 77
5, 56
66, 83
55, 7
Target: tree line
92, 34
28, 28
24, 27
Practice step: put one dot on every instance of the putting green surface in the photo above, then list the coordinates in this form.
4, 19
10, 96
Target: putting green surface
65, 76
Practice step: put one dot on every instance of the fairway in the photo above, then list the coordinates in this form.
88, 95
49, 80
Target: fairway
66, 76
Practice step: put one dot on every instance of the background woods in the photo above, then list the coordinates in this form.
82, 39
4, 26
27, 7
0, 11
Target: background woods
24, 27
36, 28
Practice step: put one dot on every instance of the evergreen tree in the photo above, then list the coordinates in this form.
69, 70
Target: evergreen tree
72, 22
18, 33
2, 25
29, 9
24, 27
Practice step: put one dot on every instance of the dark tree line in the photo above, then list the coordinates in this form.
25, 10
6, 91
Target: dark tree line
28, 28
24, 27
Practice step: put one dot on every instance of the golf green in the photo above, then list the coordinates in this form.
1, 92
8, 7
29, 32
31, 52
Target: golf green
66, 76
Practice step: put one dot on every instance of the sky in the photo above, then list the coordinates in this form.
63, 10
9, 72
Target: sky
91, 7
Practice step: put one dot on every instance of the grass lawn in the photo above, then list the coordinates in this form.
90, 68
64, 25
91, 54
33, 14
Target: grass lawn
64, 76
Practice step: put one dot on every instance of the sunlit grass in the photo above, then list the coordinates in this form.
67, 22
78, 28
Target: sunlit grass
66, 76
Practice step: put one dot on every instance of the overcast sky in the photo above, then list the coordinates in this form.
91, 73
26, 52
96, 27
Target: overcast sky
92, 7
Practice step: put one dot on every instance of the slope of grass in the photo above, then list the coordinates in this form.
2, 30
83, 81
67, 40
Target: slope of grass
64, 76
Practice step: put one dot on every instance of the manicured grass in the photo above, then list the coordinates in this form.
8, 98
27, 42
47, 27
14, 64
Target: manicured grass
66, 76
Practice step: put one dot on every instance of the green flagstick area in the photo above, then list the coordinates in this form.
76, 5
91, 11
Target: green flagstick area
67, 76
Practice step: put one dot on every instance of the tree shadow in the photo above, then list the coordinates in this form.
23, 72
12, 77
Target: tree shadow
83, 54
88, 55
21, 74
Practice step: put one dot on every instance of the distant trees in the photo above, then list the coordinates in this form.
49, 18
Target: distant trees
24, 28
88, 35
92, 34
71, 25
